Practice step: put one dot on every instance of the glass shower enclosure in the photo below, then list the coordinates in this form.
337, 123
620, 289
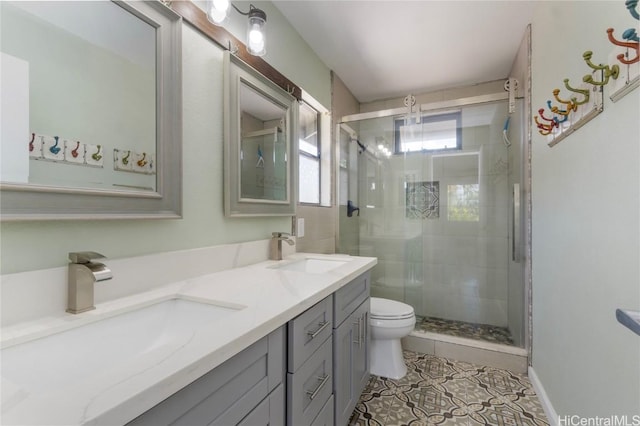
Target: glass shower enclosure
434, 195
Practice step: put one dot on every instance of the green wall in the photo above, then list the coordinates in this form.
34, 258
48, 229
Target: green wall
38, 245
586, 216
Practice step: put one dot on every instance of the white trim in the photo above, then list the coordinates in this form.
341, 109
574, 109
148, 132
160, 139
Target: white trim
489, 346
313, 103
552, 416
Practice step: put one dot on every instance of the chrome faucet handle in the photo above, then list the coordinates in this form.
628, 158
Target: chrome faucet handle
84, 256
280, 234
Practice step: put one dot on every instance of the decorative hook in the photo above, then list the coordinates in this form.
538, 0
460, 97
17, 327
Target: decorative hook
74, 152
125, 159
631, 6
33, 137
583, 92
552, 120
55, 149
142, 162
607, 71
543, 129
96, 155
554, 109
629, 34
571, 104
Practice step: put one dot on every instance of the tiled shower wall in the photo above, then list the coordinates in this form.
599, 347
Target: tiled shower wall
443, 267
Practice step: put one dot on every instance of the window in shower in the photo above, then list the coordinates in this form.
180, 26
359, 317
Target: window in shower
433, 133
463, 203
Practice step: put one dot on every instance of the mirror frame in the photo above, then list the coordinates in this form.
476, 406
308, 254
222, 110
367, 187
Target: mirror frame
24, 202
236, 73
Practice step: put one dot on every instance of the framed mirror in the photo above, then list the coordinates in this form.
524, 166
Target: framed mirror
260, 131
93, 128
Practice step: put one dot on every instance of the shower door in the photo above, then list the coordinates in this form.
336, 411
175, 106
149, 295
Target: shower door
438, 220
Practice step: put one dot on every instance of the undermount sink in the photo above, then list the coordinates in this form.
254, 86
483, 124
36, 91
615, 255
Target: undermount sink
314, 265
92, 349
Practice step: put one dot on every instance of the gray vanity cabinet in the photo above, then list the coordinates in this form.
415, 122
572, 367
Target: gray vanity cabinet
351, 347
247, 389
310, 371
310, 365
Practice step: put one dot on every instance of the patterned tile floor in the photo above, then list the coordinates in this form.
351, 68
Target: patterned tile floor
439, 391
484, 332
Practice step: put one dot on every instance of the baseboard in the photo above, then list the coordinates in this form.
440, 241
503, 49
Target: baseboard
552, 416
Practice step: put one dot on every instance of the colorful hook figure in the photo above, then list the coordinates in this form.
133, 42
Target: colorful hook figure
554, 109
125, 159
583, 92
96, 155
74, 152
631, 35
628, 34
545, 128
571, 104
33, 137
142, 162
55, 149
631, 6
607, 71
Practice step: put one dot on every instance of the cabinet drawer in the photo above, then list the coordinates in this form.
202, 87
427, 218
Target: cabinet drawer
349, 297
325, 418
309, 388
308, 331
268, 412
226, 394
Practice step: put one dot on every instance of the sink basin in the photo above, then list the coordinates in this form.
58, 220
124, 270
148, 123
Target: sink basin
92, 349
314, 265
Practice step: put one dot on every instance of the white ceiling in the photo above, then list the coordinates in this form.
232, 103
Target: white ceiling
384, 49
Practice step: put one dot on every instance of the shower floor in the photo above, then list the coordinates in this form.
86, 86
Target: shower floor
488, 333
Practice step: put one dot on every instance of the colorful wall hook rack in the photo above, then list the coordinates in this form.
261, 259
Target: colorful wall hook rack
566, 113
125, 160
61, 150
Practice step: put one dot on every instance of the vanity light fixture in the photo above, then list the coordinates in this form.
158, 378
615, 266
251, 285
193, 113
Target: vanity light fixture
218, 13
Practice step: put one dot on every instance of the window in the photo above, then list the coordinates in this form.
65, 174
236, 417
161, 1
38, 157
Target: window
464, 202
309, 149
433, 133
314, 152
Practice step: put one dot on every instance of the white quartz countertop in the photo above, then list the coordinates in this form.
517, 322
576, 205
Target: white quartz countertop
116, 394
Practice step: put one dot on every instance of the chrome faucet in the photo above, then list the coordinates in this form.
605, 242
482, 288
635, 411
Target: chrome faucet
275, 248
83, 273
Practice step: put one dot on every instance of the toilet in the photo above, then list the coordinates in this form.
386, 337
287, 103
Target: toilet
390, 321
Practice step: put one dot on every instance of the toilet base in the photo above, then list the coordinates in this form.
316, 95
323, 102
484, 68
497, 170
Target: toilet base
386, 358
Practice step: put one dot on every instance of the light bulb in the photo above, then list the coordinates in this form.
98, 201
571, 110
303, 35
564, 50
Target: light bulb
221, 5
217, 11
216, 16
256, 40
255, 37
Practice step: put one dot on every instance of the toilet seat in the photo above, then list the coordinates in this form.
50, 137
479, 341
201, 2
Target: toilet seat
385, 309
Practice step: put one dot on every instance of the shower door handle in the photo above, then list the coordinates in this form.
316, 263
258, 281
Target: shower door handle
515, 224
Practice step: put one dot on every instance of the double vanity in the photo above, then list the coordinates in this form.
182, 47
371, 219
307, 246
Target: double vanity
274, 342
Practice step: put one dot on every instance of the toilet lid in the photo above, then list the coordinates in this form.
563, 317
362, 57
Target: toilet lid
385, 308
